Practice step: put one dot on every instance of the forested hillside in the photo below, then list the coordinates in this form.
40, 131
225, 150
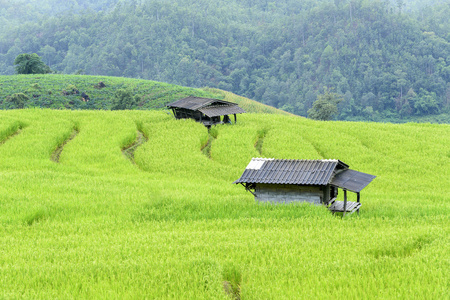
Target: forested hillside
390, 60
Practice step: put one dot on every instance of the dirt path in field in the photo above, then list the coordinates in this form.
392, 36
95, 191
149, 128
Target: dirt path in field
18, 131
206, 149
57, 153
11, 136
129, 151
261, 134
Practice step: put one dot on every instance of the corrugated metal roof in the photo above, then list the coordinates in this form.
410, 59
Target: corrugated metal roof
352, 180
221, 110
283, 171
194, 103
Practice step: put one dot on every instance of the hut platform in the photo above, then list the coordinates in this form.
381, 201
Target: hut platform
338, 206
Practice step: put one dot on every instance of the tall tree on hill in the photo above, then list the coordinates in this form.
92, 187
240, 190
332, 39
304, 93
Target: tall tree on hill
325, 107
124, 99
30, 64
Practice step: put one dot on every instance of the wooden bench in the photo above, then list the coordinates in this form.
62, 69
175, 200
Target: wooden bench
344, 206
338, 206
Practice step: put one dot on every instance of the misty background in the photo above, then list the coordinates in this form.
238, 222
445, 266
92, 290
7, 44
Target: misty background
389, 59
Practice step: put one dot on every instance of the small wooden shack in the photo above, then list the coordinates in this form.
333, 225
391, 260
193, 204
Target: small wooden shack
313, 181
205, 110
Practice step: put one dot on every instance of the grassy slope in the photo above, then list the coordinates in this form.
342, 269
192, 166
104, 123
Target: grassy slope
48, 90
247, 104
173, 226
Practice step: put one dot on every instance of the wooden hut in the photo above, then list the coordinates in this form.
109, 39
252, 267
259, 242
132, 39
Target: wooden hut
313, 181
205, 110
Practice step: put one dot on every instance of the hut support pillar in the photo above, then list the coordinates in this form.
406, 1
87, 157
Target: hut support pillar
235, 119
326, 194
248, 187
345, 203
358, 198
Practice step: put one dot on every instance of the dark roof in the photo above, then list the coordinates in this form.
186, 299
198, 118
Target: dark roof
221, 110
195, 103
352, 180
304, 172
282, 171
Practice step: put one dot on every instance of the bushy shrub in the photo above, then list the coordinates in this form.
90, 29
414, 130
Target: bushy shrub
70, 90
18, 100
124, 99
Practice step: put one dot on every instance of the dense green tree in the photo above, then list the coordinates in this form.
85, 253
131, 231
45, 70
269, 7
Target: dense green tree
30, 64
48, 54
124, 99
17, 100
326, 106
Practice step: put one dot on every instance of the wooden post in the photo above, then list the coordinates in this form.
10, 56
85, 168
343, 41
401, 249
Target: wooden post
234, 118
326, 194
345, 203
357, 200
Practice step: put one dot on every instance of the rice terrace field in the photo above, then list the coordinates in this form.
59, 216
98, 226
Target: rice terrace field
166, 222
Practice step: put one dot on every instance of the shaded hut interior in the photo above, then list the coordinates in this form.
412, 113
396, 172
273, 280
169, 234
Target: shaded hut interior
205, 110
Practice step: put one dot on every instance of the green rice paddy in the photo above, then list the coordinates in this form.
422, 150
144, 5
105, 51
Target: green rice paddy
171, 225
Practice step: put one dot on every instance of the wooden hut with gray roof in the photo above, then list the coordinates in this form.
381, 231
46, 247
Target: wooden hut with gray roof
313, 181
205, 110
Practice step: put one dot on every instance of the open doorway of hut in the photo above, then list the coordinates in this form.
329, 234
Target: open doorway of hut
226, 119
